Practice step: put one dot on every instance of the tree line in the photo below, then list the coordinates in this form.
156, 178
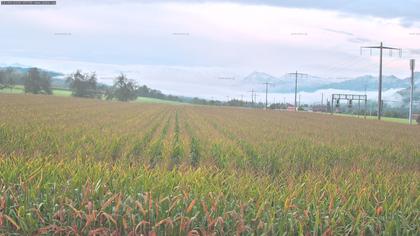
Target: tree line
80, 84
85, 85
7, 78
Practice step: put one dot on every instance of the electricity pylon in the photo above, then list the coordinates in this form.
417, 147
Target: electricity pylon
252, 96
296, 74
381, 48
266, 93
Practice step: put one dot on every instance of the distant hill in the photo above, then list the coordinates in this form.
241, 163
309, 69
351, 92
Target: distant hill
405, 93
283, 84
58, 82
58, 79
286, 83
368, 82
21, 69
259, 77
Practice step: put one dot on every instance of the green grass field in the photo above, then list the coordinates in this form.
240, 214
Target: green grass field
18, 89
155, 100
72, 166
390, 119
14, 90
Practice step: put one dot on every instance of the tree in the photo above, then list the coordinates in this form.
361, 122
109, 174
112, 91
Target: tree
7, 78
3, 79
123, 89
83, 85
37, 82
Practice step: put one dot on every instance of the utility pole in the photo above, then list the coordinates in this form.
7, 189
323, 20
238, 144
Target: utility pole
328, 105
252, 95
266, 94
296, 74
381, 48
412, 67
299, 100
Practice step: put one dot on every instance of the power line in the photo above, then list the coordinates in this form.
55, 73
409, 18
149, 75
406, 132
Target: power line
252, 95
343, 64
381, 48
296, 74
355, 62
266, 93
361, 65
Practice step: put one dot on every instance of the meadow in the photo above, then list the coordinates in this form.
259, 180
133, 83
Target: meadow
389, 119
73, 166
19, 89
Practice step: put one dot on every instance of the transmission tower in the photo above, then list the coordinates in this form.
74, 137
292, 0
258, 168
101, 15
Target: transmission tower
266, 93
381, 48
296, 74
252, 96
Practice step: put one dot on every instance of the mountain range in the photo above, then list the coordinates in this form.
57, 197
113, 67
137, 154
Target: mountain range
57, 78
309, 83
174, 83
23, 69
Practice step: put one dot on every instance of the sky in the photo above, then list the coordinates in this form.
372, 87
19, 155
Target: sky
197, 42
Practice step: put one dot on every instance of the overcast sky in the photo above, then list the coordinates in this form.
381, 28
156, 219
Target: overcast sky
322, 38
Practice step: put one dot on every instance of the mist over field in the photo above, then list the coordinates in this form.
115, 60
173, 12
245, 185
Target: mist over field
208, 82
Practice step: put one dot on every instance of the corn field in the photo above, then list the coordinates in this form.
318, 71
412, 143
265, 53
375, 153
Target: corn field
83, 167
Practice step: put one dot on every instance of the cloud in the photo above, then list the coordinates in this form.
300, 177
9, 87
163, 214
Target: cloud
268, 38
405, 11
359, 40
338, 32
415, 51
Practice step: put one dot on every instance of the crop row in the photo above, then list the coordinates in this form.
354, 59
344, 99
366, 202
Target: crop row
76, 166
